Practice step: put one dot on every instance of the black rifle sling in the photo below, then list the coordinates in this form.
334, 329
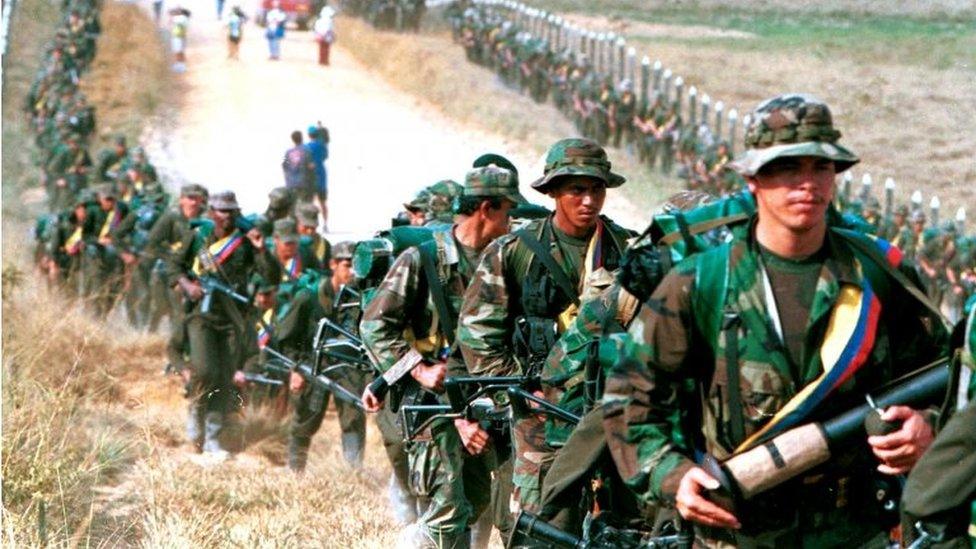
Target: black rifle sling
557, 273
730, 327
448, 318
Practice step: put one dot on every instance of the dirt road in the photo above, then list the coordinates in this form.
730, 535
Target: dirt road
235, 118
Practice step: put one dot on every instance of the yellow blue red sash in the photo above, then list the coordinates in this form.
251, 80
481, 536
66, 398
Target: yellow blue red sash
220, 250
264, 328
111, 221
293, 269
847, 344
73, 244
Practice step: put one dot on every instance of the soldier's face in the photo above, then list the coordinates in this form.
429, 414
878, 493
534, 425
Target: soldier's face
341, 271
579, 200
106, 203
286, 248
794, 192
81, 213
223, 219
190, 206
417, 217
264, 300
497, 220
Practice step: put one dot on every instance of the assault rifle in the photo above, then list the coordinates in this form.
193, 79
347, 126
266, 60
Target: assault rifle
212, 285
487, 400
261, 379
317, 379
599, 535
790, 454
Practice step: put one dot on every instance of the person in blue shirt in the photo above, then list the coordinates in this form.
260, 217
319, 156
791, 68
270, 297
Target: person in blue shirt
318, 150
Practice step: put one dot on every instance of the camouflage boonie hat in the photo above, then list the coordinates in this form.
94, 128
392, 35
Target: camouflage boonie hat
577, 156
224, 200
280, 198
918, 216
308, 214
285, 230
194, 190
343, 250
791, 125
442, 195
492, 180
902, 210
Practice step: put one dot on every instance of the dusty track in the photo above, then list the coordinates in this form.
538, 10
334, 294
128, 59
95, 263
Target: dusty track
235, 118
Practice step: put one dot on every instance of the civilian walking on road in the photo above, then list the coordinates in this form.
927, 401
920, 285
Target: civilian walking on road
179, 21
318, 150
299, 170
325, 32
275, 30
235, 31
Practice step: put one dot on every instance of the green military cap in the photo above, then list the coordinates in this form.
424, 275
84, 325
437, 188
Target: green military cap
224, 200
343, 250
106, 190
496, 159
263, 285
577, 156
84, 196
902, 209
308, 214
492, 180
285, 230
918, 216
280, 198
872, 204
419, 202
194, 190
119, 140
791, 125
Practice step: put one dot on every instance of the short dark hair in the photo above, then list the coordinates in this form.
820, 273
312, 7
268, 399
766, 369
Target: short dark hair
467, 205
296, 137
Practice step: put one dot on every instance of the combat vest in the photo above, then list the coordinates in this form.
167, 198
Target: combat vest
548, 297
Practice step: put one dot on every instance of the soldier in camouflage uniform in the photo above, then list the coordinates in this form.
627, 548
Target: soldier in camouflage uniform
168, 237
715, 357
940, 494
222, 251
411, 311
520, 301
308, 403
110, 161
307, 216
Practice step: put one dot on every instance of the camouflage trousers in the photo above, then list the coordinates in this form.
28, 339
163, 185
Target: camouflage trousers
309, 411
457, 483
532, 458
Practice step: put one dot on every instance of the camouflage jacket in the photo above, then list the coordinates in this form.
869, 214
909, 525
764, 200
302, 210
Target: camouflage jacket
402, 313
670, 403
564, 374
492, 303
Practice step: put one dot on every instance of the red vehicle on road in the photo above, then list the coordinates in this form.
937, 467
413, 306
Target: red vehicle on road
299, 12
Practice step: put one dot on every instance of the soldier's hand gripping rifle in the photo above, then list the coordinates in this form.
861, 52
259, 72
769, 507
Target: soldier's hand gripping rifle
261, 379
319, 380
211, 285
790, 454
487, 400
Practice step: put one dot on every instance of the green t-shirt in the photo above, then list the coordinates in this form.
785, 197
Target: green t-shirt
794, 283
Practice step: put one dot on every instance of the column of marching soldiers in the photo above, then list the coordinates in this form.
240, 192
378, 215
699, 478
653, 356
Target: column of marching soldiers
475, 326
537, 54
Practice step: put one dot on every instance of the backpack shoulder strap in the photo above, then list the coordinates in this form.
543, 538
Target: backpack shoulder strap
557, 273
428, 264
711, 287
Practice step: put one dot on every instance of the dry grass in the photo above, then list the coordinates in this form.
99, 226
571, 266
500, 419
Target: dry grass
129, 80
431, 68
